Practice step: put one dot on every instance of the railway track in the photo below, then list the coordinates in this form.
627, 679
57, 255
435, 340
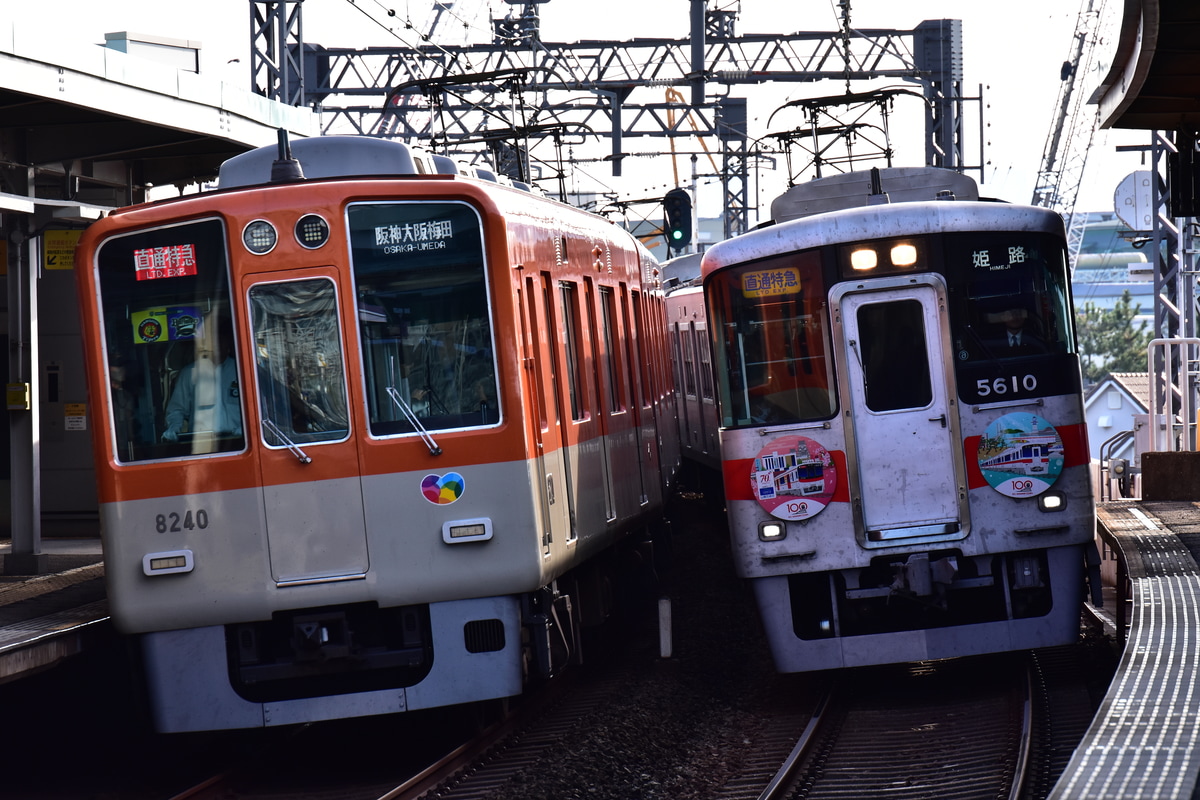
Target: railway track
942, 730
997, 727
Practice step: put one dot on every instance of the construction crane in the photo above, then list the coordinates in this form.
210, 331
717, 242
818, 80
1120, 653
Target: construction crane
1072, 131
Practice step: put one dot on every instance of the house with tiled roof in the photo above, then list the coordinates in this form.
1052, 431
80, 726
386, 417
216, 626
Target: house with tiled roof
1110, 408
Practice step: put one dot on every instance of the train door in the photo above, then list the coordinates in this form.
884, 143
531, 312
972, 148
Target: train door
547, 427
636, 394
601, 354
558, 371
901, 404
309, 461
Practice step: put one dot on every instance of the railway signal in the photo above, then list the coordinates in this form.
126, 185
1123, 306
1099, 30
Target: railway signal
677, 219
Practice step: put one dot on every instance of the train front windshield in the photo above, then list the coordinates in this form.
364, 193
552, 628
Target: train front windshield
171, 353
1008, 295
1011, 326
424, 317
772, 353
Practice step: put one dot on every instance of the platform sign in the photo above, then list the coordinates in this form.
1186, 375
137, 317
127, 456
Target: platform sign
58, 249
1133, 200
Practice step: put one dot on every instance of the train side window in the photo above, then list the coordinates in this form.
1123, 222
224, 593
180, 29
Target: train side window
641, 345
299, 367
688, 337
772, 339
629, 332
705, 354
169, 345
425, 319
570, 322
611, 355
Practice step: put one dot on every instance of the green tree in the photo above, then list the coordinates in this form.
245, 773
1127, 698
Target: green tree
1108, 339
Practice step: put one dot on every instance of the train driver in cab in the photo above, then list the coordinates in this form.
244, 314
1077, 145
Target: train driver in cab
206, 398
1019, 335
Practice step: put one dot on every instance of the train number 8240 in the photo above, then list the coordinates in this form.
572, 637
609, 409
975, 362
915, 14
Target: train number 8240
174, 522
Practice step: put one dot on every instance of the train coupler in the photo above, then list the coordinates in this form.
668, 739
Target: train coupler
919, 577
549, 619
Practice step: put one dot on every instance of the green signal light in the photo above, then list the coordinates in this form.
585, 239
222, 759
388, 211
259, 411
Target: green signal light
676, 234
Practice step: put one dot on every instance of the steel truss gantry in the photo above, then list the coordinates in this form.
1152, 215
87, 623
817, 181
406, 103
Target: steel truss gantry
1174, 358
529, 90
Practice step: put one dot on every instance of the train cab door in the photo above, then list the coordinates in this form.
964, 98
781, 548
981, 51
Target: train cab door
308, 458
903, 421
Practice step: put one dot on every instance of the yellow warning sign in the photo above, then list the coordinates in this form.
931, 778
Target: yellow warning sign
75, 416
18, 396
58, 249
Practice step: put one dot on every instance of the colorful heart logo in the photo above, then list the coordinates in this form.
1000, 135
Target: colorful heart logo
443, 490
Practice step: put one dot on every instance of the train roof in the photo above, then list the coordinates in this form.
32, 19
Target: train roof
879, 222
330, 157
872, 187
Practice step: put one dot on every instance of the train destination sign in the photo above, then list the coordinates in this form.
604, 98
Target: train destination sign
771, 282
172, 261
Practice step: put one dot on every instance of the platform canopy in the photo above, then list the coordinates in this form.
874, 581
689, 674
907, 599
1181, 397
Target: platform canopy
97, 123
1153, 59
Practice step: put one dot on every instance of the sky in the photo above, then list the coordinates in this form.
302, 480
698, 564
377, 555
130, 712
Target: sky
1012, 56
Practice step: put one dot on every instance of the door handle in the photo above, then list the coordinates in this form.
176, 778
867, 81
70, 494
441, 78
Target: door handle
941, 419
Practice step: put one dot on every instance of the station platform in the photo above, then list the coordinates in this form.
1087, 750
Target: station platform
1143, 741
55, 614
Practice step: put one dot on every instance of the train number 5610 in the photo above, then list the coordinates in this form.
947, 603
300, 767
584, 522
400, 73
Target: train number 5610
1003, 386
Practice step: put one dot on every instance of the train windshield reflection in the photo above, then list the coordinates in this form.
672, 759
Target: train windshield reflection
772, 356
171, 353
1009, 295
298, 362
424, 317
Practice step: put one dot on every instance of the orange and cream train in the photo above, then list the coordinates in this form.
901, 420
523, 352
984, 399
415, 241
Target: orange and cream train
370, 438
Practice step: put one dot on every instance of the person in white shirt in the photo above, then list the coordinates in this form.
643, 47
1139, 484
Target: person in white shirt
206, 398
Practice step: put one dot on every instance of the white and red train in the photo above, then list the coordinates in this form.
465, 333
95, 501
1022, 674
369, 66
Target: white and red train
369, 439
902, 436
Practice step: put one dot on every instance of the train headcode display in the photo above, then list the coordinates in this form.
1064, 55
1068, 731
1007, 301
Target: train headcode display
771, 282
172, 261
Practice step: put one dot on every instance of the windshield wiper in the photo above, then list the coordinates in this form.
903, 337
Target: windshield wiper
294, 448
393, 393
